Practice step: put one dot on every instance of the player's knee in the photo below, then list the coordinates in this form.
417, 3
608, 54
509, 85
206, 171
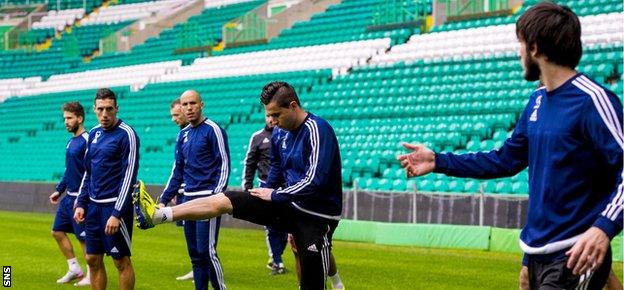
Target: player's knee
122, 264
95, 262
221, 204
200, 259
58, 235
310, 256
203, 255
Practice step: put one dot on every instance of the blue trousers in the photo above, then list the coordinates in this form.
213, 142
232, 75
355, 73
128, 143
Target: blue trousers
276, 242
201, 241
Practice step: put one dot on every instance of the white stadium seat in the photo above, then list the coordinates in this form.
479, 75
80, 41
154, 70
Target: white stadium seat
494, 40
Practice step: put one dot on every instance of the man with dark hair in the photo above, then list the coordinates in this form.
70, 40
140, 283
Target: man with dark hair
258, 158
73, 114
104, 204
178, 117
305, 157
202, 163
570, 136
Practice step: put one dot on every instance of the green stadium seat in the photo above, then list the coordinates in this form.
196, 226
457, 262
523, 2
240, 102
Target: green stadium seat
503, 187
520, 188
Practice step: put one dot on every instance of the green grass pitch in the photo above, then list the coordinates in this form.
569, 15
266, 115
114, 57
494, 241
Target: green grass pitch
159, 255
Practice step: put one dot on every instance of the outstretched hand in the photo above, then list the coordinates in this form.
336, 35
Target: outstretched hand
419, 162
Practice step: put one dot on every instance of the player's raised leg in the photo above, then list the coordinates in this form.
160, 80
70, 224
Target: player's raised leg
150, 214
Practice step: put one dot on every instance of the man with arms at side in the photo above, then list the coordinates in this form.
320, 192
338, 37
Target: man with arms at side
202, 163
570, 136
73, 114
104, 202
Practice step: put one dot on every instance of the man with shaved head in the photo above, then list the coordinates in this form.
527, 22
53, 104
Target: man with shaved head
202, 163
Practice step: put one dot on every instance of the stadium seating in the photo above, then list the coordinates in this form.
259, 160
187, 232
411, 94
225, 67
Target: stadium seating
221, 3
163, 47
496, 39
581, 8
80, 39
602, 29
88, 5
127, 12
347, 21
14, 64
10, 87
228, 101
87, 37
459, 43
589, 7
132, 1
64, 53
35, 135
338, 56
456, 88
35, 36
59, 19
136, 76
445, 104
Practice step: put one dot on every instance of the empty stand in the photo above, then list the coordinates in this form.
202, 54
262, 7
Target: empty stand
458, 88
59, 19
338, 56
136, 76
125, 12
347, 21
495, 40
199, 30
